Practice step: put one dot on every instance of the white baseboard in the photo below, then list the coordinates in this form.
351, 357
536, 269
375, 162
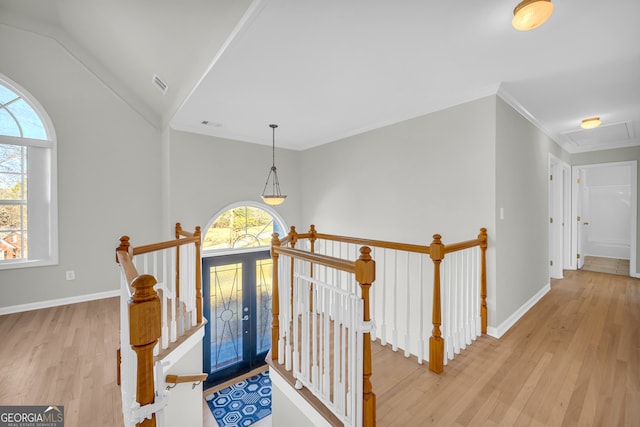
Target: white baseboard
507, 324
57, 302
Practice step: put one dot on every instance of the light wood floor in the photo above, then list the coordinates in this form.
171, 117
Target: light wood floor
606, 265
573, 359
64, 356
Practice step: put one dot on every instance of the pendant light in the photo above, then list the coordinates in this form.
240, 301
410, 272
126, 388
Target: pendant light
275, 198
530, 14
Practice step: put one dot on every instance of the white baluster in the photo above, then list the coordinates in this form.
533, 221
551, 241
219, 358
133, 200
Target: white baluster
407, 339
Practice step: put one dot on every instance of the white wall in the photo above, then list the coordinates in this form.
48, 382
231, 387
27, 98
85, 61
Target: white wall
207, 174
522, 156
185, 400
108, 172
409, 181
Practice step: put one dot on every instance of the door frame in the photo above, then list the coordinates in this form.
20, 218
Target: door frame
559, 210
250, 359
576, 171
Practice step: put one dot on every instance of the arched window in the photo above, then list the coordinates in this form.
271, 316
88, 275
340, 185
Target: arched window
242, 226
28, 224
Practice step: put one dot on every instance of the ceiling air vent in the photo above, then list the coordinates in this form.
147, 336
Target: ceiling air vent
162, 86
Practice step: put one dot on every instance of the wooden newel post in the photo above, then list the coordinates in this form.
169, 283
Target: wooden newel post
275, 299
198, 242
436, 343
144, 331
366, 275
483, 279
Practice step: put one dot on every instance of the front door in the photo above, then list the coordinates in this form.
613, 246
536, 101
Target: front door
237, 305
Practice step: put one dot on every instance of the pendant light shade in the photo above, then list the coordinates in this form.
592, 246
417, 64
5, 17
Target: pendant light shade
273, 196
530, 14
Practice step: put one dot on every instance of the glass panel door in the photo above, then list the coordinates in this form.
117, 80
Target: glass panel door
237, 305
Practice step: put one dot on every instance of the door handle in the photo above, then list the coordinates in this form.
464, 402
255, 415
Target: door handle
246, 317
586, 223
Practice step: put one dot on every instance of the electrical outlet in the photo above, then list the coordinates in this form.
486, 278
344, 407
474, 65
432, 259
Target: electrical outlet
71, 275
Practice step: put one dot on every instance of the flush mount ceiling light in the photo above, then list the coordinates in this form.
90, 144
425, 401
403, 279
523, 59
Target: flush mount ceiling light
275, 198
591, 123
530, 14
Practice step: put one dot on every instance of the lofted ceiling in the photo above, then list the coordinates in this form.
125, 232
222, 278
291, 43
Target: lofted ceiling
325, 70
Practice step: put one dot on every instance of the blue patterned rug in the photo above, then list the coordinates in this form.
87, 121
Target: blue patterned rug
244, 403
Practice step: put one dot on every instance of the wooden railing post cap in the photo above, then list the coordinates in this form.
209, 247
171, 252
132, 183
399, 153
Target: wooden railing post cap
365, 267
275, 239
436, 249
483, 236
125, 245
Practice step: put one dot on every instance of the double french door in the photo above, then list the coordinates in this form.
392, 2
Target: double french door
237, 304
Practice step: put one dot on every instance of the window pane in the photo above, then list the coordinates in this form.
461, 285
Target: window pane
11, 158
6, 95
8, 125
12, 217
241, 227
12, 172
264, 275
226, 315
31, 125
13, 245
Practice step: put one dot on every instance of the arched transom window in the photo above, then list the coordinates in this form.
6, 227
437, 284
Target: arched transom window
242, 227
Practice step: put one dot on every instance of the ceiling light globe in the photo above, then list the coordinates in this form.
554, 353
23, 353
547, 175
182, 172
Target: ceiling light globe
530, 14
591, 123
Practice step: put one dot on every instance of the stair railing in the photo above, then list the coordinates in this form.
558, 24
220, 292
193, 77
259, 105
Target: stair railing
403, 305
321, 328
161, 305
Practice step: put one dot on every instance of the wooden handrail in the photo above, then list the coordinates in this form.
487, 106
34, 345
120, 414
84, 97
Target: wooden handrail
377, 243
124, 258
179, 379
139, 250
455, 247
337, 263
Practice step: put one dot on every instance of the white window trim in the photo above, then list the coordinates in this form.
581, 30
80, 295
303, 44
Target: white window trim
51, 143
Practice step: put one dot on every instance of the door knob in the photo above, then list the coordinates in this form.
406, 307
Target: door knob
246, 317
